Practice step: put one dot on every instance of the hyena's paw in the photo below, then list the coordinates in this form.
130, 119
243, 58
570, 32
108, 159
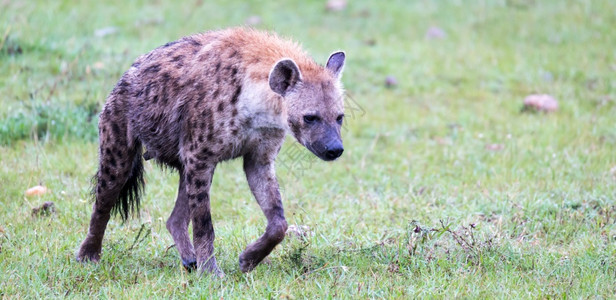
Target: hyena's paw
88, 254
248, 263
189, 264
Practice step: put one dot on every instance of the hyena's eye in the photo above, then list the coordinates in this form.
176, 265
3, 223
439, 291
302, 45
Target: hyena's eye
339, 119
310, 119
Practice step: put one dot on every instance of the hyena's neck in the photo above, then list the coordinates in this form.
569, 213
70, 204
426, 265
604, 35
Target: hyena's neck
262, 108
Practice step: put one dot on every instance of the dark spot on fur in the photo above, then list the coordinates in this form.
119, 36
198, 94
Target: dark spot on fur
112, 177
236, 95
199, 183
189, 82
247, 122
136, 64
201, 138
210, 136
166, 77
112, 161
194, 42
217, 68
115, 128
200, 166
152, 69
233, 54
234, 112
221, 106
170, 44
199, 233
207, 151
201, 196
203, 225
234, 131
103, 183
193, 205
189, 177
177, 58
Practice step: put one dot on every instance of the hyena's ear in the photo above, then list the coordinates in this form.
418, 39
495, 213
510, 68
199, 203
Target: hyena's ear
335, 63
284, 76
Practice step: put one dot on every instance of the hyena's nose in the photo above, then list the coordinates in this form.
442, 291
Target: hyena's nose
334, 152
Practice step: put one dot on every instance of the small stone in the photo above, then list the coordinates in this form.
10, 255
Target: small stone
105, 31
99, 65
38, 190
435, 33
370, 42
336, 5
540, 102
391, 81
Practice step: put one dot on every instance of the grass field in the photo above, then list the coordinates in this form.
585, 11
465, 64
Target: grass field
446, 189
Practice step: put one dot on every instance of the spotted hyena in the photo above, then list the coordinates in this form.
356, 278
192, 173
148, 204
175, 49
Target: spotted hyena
204, 99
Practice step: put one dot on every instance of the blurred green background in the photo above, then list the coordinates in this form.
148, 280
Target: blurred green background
446, 188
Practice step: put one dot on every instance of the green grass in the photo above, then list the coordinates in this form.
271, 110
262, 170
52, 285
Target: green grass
392, 218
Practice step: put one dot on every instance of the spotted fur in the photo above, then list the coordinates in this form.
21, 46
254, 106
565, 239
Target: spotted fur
201, 100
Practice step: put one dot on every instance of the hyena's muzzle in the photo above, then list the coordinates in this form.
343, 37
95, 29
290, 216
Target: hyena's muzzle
328, 146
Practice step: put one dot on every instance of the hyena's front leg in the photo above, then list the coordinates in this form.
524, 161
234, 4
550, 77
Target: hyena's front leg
264, 186
177, 224
198, 180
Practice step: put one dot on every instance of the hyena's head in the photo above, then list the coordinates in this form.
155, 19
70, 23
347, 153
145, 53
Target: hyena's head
315, 104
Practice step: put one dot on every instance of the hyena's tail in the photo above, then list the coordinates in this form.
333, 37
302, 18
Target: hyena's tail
119, 183
130, 195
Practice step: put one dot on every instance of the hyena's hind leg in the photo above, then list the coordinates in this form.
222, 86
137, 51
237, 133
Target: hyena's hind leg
177, 224
119, 177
